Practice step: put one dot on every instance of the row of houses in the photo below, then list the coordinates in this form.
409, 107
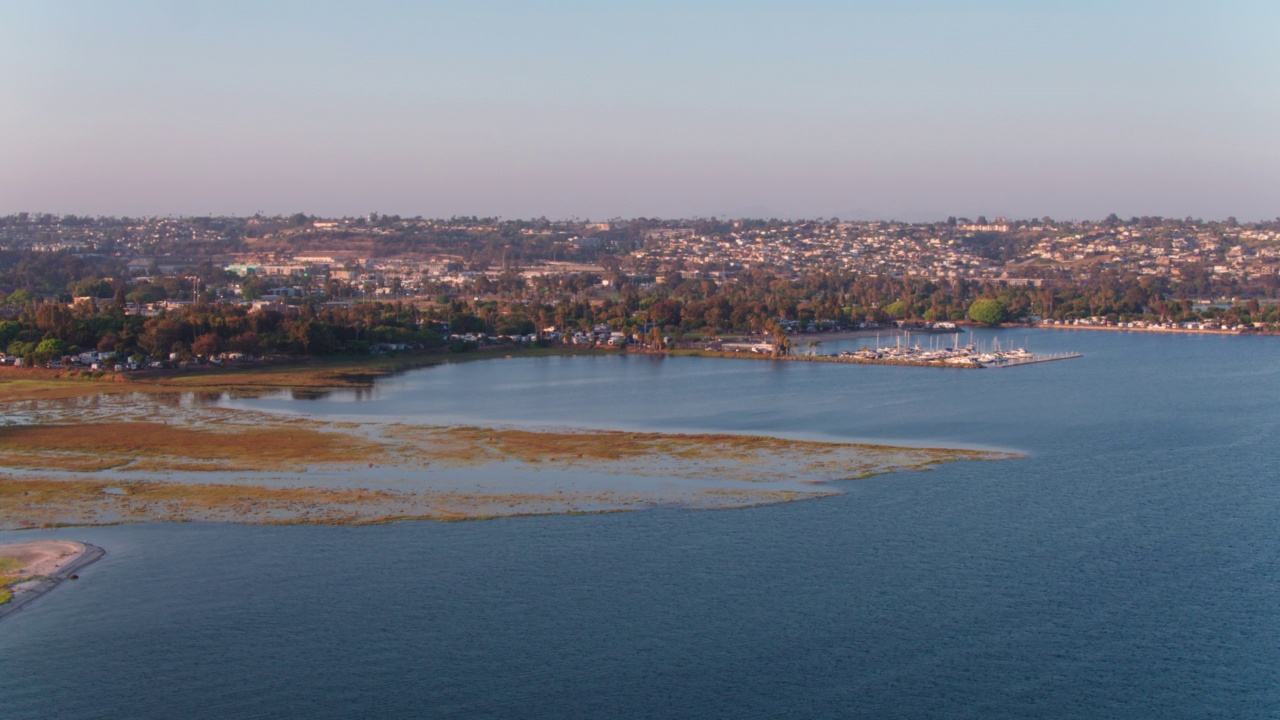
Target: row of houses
1147, 325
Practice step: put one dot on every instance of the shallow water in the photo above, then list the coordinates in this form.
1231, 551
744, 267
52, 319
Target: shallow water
1126, 568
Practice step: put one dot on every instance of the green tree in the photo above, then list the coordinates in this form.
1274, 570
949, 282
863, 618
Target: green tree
514, 324
21, 348
92, 288
50, 349
896, 309
253, 287
19, 297
988, 311
9, 330
654, 338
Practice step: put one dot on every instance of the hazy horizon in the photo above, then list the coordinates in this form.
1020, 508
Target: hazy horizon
673, 218
880, 110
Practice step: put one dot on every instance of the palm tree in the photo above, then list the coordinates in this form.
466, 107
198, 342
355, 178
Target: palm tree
781, 343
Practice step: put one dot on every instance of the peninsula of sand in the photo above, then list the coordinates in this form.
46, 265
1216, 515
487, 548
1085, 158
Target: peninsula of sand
28, 570
83, 451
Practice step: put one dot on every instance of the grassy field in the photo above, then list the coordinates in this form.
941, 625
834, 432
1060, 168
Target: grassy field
9, 568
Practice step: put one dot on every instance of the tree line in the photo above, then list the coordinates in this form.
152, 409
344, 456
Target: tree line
47, 331
41, 329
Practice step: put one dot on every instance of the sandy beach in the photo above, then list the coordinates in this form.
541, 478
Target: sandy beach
38, 566
41, 557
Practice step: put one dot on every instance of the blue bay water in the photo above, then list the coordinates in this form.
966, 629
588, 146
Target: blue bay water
1127, 567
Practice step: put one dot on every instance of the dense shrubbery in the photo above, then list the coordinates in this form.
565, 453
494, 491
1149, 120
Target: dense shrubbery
47, 331
988, 311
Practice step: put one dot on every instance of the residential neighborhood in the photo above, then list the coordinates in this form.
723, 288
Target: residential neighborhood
160, 291
392, 257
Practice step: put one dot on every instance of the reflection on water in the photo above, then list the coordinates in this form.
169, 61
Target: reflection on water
982, 408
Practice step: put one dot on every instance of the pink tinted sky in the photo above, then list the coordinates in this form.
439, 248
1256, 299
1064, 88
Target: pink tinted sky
914, 110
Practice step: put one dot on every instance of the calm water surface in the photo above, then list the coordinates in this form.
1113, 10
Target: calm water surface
1128, 567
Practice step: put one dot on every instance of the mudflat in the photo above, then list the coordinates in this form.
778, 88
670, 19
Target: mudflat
160, 453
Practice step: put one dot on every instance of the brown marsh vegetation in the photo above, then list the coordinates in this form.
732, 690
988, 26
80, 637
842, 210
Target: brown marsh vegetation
101, 446
94, 451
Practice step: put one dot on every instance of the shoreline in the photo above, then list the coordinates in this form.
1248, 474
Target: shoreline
969, 327
856, 334
1113, 328
854, 360
822, 358
46, 559
318, 373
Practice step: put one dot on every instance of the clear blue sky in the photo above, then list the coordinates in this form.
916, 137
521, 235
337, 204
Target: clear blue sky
909, 109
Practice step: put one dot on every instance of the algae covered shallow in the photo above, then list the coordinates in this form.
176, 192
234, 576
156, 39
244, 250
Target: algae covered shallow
163, 452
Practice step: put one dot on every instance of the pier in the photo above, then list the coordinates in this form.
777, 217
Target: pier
1036, 359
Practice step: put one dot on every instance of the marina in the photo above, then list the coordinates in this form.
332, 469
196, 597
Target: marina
973, 354
903, 351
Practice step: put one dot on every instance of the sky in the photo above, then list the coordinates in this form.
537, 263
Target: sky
908, 109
